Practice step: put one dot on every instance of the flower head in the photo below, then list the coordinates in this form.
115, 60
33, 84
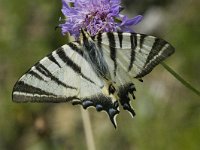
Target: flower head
95, 16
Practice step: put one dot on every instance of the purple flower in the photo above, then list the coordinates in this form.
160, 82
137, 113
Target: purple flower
95, 16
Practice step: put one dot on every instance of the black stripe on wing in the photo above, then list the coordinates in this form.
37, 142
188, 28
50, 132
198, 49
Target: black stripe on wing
51, 57
20, 86
43, 98
160, 50
71, 64
157, 46
23, 92
43, 70
112, 46
133, 40
120, 36
75, 48
32, 73
142, 38
99, 41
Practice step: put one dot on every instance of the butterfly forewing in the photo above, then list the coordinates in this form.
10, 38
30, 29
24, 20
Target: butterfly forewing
57, 78
136, 53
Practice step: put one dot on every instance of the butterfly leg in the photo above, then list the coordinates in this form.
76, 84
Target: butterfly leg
125, 94
101, 103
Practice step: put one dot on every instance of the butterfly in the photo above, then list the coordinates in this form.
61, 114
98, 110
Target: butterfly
95, 71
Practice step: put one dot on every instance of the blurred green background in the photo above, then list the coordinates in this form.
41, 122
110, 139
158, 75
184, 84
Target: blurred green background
168, 114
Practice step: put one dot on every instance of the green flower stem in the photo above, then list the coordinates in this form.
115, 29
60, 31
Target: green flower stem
185, 83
